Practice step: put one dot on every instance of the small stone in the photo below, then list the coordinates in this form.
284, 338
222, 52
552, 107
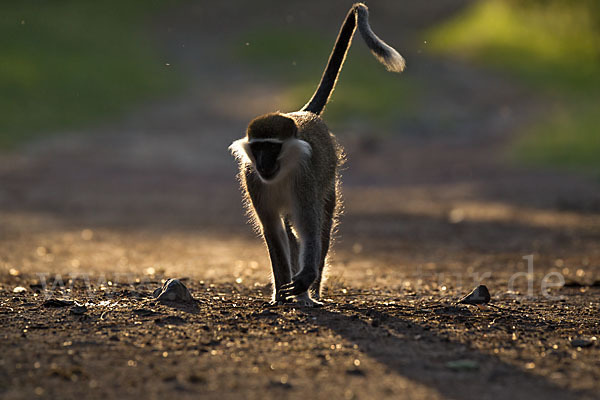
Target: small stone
479, 296
19, 289
56, 303
583, 342
173, 291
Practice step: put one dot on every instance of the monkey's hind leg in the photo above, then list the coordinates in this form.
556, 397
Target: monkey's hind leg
315, 289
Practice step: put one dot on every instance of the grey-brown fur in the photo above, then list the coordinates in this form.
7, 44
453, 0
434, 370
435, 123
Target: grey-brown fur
308, 219
289, 173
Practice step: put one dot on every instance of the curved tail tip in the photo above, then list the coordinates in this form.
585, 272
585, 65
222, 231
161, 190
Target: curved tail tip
385, 54
394, 62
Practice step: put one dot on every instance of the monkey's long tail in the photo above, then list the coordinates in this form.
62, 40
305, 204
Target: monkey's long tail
358, 15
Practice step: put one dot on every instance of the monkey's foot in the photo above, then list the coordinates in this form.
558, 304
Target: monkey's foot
304, 300
299, 285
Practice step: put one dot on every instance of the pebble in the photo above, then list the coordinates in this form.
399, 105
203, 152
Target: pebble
55, 303
583, 342
479, 295
173, 291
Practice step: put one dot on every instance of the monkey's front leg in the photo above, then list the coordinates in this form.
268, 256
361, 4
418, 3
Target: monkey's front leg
310, 251
279, 253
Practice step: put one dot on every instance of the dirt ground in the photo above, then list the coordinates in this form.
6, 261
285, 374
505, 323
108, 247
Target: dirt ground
103, 217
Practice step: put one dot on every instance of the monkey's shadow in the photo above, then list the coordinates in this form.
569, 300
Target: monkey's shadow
421, 355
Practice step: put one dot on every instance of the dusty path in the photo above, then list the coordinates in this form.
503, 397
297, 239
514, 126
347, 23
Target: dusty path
430, 212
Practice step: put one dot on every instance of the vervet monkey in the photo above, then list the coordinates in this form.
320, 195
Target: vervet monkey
289, 174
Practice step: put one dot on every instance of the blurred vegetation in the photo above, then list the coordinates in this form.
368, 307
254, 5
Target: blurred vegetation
553, 46
365, 90
66, 63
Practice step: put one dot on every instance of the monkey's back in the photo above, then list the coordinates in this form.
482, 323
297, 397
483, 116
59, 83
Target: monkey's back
326, 154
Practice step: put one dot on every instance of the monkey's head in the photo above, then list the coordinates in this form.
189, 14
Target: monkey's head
271, 145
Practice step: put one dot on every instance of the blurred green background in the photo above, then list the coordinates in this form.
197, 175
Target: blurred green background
552, 46
69, 64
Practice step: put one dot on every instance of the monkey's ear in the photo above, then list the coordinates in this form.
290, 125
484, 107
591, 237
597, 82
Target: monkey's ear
288, 127
241, 151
